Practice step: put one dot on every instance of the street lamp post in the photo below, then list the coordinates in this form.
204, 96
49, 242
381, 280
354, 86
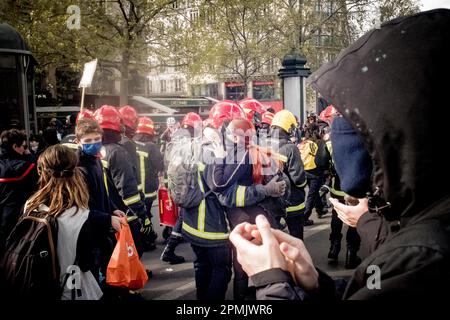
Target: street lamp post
293, 75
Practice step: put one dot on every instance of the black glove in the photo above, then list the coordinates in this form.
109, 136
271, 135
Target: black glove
146, 226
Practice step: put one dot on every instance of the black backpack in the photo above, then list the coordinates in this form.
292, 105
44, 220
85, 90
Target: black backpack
30, 268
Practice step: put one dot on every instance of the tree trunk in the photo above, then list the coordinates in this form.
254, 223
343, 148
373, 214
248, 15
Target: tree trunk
124, 78
51, 81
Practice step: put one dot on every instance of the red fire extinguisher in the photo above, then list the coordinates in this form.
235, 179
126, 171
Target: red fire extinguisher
168, 210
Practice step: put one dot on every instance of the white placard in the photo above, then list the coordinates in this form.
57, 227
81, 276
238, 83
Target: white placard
88, 74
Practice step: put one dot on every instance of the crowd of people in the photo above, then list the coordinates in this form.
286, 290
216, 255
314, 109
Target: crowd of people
246, 181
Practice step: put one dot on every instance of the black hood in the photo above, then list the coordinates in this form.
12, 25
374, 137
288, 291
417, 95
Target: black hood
392, 85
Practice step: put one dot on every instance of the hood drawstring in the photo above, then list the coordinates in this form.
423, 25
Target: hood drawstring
376, 203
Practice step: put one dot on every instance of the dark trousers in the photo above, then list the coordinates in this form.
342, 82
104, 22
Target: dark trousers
353, 239
135, 228
313, 199
294, 221
148, 206
240, 278
212, 272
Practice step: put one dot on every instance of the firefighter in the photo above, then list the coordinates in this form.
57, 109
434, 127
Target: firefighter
254, 110
190, 123
232, 177
353, 239
166, 136
206, 226
266, 120
130, 119
122, 185
150, 168
283, 126
315, 159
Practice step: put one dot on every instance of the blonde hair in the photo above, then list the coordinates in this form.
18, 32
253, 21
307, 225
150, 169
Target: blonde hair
87, 126
61, 183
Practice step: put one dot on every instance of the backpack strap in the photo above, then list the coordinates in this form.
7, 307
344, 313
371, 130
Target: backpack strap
50, 239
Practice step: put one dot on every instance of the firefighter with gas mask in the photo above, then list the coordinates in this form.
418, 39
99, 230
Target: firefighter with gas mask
232, 178
191, 125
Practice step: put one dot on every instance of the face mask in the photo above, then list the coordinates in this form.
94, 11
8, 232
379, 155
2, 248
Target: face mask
92, 148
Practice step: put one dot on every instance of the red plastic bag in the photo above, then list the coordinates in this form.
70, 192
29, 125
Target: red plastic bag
168, 210
125, 270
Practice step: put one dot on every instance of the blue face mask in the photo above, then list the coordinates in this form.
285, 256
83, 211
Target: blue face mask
92, 148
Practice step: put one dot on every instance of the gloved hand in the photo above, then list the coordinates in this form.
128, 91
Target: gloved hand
218, 150
146, 226
275, 188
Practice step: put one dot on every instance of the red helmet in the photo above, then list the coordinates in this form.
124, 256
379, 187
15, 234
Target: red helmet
241, 127
252, 104
328, 114
192, 120
146, 125
108, 118
267, 117
85, 114
129, 116
225, 110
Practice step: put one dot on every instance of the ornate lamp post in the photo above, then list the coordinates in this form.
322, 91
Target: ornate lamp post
293, 75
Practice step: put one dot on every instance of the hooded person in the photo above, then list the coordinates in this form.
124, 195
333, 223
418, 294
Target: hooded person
389, 85
347, 147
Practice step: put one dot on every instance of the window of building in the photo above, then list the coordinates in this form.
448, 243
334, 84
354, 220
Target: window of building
178, 85
150, 86
163, 85
234, 91
194, 14
318, 7
271, 65
263, 90
212, 90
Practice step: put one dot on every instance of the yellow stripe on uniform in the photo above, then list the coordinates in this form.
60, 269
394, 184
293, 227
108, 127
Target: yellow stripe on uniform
337, 193
151, 195
105, 164
240, 196
142, 156
201, 167
205, 235
334, 191
201, 208
301, 185
132, 200
282, 158
105, 180
296, 208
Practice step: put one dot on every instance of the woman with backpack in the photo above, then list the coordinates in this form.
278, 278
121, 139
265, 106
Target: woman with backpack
63, 195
